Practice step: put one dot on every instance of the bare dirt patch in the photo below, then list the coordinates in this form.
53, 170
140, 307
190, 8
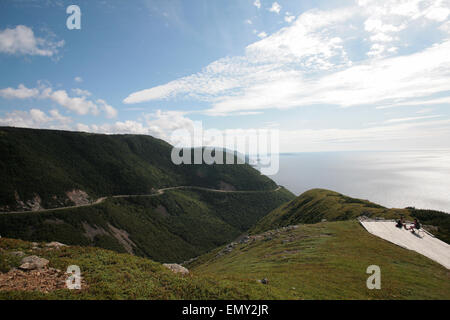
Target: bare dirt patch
123, 237
79, 197
45, 280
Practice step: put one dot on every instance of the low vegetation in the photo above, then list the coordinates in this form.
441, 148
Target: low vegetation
318, 204
318, 261
172, 227
328, 260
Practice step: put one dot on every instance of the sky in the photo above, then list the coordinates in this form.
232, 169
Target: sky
326, 75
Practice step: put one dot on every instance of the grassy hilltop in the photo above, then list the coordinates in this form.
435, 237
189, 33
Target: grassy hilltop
315, 205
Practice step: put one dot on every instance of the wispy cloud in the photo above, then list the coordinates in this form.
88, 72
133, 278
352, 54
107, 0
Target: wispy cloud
396, 120
308, 63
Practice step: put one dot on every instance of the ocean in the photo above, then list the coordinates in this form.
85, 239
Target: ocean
392, 179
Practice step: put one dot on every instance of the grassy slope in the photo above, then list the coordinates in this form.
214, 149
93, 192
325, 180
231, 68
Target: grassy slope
50, 163
191, 223
317, 204
328, 261
319, 261
110, 275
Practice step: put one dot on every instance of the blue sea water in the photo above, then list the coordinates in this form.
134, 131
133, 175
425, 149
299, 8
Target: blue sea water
392, 179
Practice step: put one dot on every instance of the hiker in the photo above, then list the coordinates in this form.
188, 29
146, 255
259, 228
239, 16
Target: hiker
400, 222
415, 225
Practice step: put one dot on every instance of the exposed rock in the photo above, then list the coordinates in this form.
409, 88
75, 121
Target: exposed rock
33, 262
32, 204
79, 197
55, 245
176, 268
123, 237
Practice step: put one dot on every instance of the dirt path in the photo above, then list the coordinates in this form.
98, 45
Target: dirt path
157, 193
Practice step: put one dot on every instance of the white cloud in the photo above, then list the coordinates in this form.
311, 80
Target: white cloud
81, 92
35, 118
56, 116
275, 8
21, 40
248, 21
262, 35
376, 50
78, 79
257, 4
21, 92
416, 102
160, 124
79, 104
395, 120
109, 110
289, 18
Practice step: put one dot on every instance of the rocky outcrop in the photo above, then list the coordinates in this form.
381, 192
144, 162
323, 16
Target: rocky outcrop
55, 245
33, 204
33, 262
79, 197
176, 268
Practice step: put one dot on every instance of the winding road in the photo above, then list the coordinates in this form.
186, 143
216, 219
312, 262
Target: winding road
157, 193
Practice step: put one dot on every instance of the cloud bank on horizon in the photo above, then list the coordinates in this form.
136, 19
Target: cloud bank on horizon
370, 55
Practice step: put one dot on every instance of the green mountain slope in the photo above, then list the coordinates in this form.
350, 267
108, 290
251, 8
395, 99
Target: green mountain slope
172, 227
39, 167
327, 261
318, 261
315, 205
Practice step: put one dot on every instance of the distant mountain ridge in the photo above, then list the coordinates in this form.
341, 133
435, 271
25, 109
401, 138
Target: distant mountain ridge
51, 168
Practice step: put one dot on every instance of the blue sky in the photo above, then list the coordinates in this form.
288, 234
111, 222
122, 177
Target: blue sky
329, 75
